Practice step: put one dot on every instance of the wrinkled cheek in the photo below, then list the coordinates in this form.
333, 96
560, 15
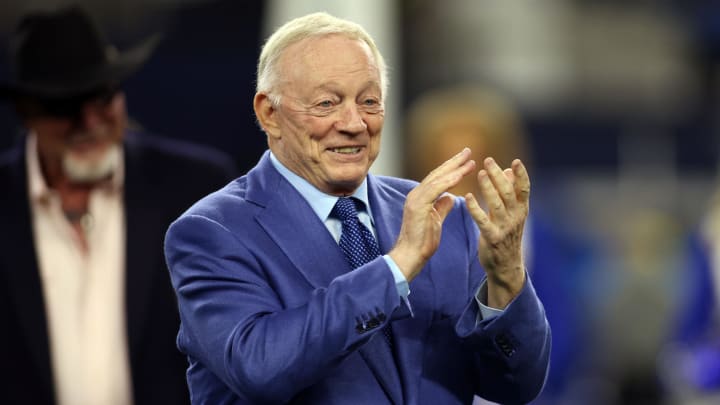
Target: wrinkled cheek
315, 153
296, 127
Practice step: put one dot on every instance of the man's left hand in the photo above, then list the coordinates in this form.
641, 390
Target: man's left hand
507, 195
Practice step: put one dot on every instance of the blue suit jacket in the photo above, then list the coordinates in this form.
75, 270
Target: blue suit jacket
162, 179
272, 313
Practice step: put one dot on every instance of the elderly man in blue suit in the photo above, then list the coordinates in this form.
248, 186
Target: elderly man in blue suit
275, 305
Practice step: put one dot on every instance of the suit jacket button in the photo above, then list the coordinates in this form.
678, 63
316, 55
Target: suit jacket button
505, 345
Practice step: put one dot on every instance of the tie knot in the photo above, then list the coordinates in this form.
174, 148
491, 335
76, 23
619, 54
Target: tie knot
346, 208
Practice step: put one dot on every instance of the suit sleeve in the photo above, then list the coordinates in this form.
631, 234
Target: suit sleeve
511, 351
234, 323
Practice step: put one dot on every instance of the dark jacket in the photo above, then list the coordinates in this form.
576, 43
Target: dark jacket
162, 179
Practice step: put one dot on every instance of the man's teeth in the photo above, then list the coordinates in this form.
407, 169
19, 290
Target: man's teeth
353, 149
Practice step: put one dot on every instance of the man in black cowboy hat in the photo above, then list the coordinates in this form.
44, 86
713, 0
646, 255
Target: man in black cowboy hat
88, 313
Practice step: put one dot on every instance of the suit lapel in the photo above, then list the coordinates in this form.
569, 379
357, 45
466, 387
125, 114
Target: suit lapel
318, 258
292, 224
19, 261
387, 208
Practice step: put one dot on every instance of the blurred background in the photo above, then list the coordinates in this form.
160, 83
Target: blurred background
613, 104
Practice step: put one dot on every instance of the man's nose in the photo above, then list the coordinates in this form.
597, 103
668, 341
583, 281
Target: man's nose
351, 120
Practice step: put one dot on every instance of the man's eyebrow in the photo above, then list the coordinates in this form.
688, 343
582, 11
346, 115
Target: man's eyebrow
371, 85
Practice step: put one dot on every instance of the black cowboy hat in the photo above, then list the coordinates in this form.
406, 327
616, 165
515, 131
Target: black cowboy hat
63, 54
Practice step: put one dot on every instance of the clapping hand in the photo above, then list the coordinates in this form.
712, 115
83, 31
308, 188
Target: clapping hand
506, 195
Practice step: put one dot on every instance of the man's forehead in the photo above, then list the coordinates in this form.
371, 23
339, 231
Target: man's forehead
323, 63
323, 46
333, 86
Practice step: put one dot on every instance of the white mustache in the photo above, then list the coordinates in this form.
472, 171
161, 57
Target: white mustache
88, 170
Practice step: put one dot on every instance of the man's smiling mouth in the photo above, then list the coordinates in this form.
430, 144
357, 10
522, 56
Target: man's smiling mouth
347, 149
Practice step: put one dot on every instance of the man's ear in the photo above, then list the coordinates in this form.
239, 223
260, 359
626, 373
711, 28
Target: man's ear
266, 114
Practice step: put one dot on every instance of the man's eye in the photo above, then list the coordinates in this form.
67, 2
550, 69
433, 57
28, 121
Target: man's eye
371, 101
325, 104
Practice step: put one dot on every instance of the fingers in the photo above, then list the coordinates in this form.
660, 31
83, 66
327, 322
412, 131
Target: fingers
426, 208
489, 193
444, 205
509, 187
502, 185
450, 165
522, 181
446, 176
506, 193
509, 175
479, 215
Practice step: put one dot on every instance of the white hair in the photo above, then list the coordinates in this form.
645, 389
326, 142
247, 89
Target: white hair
311, 25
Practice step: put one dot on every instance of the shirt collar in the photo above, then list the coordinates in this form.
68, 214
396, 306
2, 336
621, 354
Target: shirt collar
39, 190
320, 202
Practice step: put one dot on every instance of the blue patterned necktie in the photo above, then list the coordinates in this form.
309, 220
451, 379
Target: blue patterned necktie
356, 241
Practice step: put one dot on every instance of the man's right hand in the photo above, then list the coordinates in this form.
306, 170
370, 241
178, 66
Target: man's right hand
425, 210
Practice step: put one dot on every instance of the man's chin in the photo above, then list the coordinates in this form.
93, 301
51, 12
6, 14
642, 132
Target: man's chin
346, 185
